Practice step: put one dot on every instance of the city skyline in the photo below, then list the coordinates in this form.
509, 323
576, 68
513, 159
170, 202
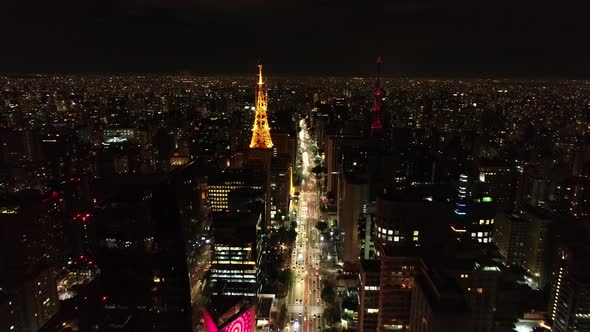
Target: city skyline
294, 166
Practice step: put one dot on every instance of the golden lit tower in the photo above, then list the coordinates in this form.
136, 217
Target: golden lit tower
291, 187
261, 131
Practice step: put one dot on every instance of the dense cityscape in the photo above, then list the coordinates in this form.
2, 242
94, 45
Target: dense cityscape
266, 203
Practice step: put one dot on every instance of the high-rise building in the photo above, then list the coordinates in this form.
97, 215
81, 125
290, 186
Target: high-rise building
369, 282
501, 183
511, 237
406, 225
480, 219
399, 269
367, 231
220, 185
573, 197
279, 190
31, 252
405, 219
236, 254
334, 147
438, 304
117, 135
28, 299
481, 293
284, 144
569, 307
142, 240
536, 244
353, 193
477, 274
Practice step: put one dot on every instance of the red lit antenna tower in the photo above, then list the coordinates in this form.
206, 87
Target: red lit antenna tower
376, 127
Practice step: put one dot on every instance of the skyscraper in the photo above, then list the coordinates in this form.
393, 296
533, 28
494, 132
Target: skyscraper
368, 295
236, 254
501, 182
31, 251
144, 280
570, 293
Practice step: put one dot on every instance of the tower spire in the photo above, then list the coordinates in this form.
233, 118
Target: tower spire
376, 127
260, 130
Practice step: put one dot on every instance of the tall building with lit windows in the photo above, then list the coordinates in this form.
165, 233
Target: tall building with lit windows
367, 231
405, 219
500, 183
27, 301
368, 295
538, 239
573, 197
31, 252
118, 135
405, 225
463, 187
481, 219
221, 185
399, 269
236, 254
512, 238
569, 307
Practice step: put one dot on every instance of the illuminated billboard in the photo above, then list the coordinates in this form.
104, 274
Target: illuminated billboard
245, 322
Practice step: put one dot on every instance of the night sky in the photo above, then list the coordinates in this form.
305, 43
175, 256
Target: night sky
421, 38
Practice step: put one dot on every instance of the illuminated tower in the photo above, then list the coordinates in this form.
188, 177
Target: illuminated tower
261, 131
291, 187
376, 127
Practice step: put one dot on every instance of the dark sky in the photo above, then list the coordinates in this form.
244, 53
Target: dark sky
456, 38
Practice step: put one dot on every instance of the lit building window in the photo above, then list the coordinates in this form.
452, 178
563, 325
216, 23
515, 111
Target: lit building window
396, 238
479, 290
